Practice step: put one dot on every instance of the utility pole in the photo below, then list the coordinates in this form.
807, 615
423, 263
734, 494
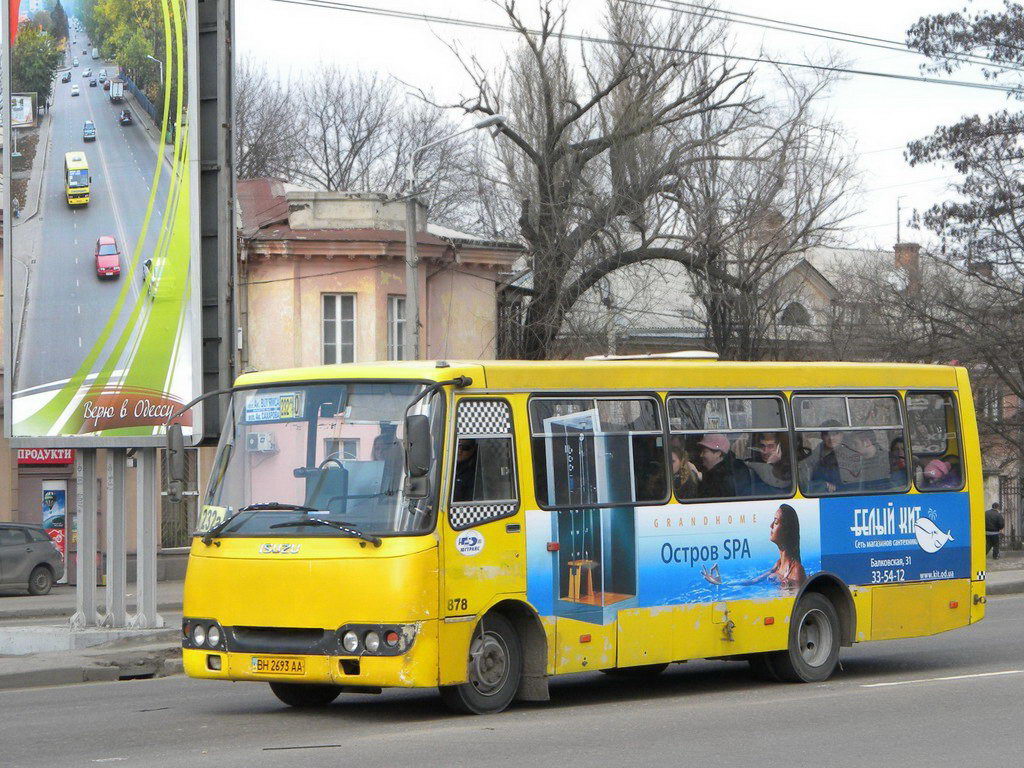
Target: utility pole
412, 261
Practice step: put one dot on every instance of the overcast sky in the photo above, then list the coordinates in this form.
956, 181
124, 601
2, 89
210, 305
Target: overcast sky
879, 115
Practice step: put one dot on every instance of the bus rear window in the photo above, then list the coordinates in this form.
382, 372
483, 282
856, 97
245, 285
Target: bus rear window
935, 441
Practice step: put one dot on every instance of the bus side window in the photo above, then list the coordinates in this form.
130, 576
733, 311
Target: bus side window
937, 460
730, 447
850, 444
484, 473
598, 451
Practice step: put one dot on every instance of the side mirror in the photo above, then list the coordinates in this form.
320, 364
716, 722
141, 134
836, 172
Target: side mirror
175, 463
418, 454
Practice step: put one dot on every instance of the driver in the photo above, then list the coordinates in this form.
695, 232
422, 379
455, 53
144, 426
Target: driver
465, 471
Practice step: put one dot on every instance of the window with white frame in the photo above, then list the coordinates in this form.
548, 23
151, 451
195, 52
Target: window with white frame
396, 327
339, 328
343, 448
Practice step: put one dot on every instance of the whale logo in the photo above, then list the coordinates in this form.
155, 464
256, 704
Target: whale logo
929, 536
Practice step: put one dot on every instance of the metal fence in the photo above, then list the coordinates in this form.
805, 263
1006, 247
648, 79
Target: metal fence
178, 519
1010, 501
140, 97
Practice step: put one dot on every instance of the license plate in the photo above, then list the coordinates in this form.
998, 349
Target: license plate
278, 665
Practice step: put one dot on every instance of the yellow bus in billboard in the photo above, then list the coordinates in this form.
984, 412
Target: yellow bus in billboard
482, 526
76, 178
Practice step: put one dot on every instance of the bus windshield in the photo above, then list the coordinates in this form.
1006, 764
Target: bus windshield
78, 178
335, 448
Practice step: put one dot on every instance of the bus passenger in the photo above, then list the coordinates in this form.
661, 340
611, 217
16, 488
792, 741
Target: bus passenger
685, 477
940, 474
869, 471
824, 462
771, 470
897, 463
724, 475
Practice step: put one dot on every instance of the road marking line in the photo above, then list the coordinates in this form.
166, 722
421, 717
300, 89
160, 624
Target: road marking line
941, 679
79, 342
79, 307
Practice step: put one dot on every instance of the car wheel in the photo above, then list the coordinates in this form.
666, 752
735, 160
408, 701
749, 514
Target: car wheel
494, 669
40, 581
305, 696
813, 642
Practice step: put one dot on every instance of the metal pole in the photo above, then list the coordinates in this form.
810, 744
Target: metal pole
116, 571
146, 616
412, 301
85, 569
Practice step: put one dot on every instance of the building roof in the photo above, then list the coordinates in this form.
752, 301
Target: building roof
264, 211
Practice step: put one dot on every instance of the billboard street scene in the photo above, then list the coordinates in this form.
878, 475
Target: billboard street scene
101, 315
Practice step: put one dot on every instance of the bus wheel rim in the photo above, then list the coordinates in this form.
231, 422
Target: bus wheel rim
815, 638
488, 663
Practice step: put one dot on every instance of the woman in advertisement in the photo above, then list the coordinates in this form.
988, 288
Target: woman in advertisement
788, 572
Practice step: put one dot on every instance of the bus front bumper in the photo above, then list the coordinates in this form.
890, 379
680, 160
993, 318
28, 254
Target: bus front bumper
415, 668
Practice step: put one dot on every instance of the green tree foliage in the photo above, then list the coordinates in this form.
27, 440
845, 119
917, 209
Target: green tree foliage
34, 61
59, 22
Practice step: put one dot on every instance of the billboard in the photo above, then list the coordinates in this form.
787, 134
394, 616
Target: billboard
102, 317
23, 110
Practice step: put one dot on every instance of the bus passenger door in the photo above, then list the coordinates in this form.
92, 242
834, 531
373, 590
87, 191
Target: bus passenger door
483, 537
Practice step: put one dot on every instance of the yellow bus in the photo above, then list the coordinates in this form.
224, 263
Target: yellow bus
483, 526
76, 178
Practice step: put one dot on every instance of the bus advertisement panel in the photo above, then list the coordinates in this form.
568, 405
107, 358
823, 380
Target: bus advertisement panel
101, 334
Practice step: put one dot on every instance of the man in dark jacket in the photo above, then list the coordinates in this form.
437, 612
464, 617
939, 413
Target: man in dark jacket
994, 523
724, 476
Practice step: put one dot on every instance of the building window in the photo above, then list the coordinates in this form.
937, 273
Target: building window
339, 316
342, 448
795, 314
396, 327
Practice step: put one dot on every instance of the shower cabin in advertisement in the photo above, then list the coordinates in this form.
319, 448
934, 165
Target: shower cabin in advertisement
598, 454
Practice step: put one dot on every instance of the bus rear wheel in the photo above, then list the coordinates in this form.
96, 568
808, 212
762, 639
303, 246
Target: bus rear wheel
305, 696
814, 639
494, 669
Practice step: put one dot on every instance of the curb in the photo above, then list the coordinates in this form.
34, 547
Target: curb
118, 664
1006, 588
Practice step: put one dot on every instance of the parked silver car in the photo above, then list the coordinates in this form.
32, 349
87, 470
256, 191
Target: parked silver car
28, 559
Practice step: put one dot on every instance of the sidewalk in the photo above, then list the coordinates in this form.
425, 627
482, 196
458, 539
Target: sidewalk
60, 603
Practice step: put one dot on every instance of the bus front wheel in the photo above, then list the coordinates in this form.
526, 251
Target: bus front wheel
305, 696
494, 669
814, 639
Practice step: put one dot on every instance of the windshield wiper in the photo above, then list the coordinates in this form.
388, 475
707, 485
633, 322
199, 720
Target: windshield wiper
375, 540
211, 534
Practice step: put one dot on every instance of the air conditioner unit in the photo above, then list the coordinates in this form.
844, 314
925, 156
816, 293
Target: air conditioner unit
260, 442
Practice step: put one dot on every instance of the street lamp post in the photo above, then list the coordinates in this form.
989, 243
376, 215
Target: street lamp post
159, 64
412, 301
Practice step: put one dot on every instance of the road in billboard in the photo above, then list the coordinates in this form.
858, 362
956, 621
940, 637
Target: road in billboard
102, 323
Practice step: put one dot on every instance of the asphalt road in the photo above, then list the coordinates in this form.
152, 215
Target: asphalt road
67, 304
951, 700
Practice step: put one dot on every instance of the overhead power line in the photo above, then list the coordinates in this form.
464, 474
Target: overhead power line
337, 5
808, 30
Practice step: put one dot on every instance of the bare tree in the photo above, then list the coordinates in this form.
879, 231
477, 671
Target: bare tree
360, 130
593, 146
782, 186
266, 137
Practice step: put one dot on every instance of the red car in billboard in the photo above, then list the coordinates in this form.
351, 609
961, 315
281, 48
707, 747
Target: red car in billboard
108, 258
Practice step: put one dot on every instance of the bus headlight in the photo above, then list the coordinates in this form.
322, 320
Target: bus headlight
372, 641
350, 641
198, 634
213, 636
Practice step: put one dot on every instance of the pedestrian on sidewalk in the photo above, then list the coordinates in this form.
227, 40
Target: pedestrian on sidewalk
994, 523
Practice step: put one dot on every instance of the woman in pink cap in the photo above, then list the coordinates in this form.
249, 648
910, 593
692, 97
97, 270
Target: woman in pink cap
940, 474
